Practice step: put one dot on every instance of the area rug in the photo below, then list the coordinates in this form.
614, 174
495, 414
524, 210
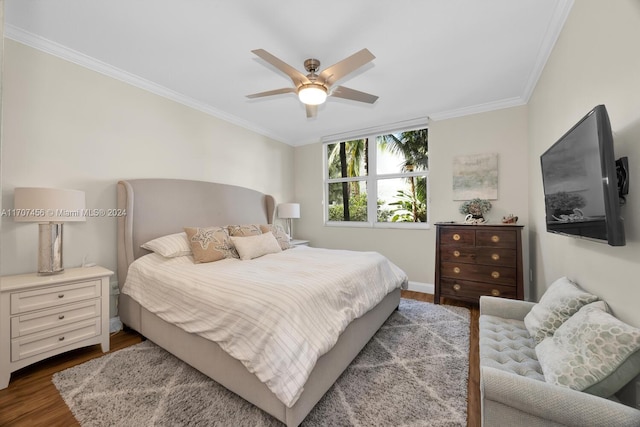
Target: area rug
413, 372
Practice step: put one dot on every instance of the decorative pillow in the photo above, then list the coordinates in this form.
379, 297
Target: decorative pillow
244, 230
255, 246
281, 236
169, 246
592, 352
563, 299
209, 244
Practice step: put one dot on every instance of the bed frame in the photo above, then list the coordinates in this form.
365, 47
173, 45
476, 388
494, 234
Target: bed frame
157, 207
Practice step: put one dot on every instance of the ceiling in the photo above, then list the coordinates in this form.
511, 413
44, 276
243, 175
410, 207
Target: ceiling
434, 58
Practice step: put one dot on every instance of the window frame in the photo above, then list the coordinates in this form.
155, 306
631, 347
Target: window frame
372, 178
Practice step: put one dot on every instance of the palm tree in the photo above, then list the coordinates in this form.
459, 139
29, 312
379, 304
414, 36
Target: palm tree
346, 158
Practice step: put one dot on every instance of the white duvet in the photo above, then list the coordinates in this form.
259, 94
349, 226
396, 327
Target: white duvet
277, 314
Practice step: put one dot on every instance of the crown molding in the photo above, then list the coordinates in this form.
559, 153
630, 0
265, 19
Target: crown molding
78, 58
480, 108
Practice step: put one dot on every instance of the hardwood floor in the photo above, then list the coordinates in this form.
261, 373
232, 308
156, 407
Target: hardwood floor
32, 400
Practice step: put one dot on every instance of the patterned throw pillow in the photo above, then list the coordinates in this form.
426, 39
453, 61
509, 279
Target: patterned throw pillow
281, 236
251, 247
210, 244
244, 230
561, 301
592, 352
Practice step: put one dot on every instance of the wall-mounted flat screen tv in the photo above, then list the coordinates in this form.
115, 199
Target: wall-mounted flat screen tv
583, 183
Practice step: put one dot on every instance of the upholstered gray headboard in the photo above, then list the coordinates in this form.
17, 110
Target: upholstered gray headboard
157, 207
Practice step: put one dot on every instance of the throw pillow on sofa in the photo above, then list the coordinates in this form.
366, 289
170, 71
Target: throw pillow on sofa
592, 352
561, 301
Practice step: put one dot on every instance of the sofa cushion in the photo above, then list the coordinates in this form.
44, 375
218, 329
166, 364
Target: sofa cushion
505, 344
592, 352
563, 299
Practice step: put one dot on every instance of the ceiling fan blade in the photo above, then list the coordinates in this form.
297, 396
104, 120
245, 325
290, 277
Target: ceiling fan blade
312, 110
272, 92
354, 95
295, 75
348, 65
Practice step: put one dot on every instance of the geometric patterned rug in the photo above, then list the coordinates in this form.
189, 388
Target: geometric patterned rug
413, 372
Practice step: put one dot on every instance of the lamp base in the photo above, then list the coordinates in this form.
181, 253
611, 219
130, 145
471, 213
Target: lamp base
50, 249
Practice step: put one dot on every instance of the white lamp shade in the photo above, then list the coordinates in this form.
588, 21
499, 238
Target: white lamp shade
289, 210
312, 94
48, 205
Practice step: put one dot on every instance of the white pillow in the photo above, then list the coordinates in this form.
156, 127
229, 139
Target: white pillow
592, 352
172, 245
250, 247
563, 299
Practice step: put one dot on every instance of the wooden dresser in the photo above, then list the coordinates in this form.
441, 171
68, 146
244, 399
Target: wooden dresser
476, 260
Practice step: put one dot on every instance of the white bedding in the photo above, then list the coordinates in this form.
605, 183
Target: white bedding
276, 314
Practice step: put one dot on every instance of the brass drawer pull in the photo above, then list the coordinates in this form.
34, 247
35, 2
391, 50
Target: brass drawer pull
456, 287
61, 317
456, 253
456, 237
61, 339
60, 295
495, 257
495, 239
495, 274
495, 292
456, 270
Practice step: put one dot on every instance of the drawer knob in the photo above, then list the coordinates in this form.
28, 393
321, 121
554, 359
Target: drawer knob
495, 239
495, 274
60, 295
61, 317
456, 237
456, 287
456, 253
495, 257
495, 292
456, 270
60, 338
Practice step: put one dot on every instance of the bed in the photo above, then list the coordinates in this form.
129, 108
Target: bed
159, 207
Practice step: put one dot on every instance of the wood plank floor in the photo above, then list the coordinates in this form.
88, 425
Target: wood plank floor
32, 400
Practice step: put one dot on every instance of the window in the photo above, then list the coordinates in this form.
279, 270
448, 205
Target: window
379, 180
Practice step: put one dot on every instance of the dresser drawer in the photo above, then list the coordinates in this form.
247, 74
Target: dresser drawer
474, 255
496, 238
481, 273
458, 237
22, 302
46, 319
35, 344
472, 291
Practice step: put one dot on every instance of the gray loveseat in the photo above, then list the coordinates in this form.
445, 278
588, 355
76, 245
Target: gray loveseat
513, 388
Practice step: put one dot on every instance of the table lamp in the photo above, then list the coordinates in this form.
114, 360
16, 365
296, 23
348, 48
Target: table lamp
51, 208
288, 211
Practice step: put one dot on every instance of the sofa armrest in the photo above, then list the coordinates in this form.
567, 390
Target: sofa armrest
505, 308
554, 403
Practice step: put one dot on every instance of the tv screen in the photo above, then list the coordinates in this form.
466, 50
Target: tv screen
580, 182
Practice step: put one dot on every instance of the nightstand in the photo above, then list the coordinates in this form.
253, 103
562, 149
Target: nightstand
298, 242
41, 316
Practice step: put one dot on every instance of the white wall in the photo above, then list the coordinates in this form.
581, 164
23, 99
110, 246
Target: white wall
69, 127
595, 61
503, 132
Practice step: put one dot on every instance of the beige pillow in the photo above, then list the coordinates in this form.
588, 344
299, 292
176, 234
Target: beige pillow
561, 301
244, 230
209, 244
281, 236
256, 246
169, 246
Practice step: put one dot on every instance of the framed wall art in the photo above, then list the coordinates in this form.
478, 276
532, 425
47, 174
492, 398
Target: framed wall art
474, 176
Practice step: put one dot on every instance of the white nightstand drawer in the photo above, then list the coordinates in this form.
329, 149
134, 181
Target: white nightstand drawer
46, 319
22, 302
34, 344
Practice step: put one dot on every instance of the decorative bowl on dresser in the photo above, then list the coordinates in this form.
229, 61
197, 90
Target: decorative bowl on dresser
41, 316
475, 260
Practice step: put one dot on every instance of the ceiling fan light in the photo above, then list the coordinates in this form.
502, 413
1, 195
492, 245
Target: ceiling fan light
312, 94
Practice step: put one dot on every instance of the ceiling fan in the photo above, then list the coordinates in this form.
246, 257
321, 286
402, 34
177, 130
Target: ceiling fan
313, 89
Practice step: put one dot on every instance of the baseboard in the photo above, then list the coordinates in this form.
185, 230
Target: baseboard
425, 288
